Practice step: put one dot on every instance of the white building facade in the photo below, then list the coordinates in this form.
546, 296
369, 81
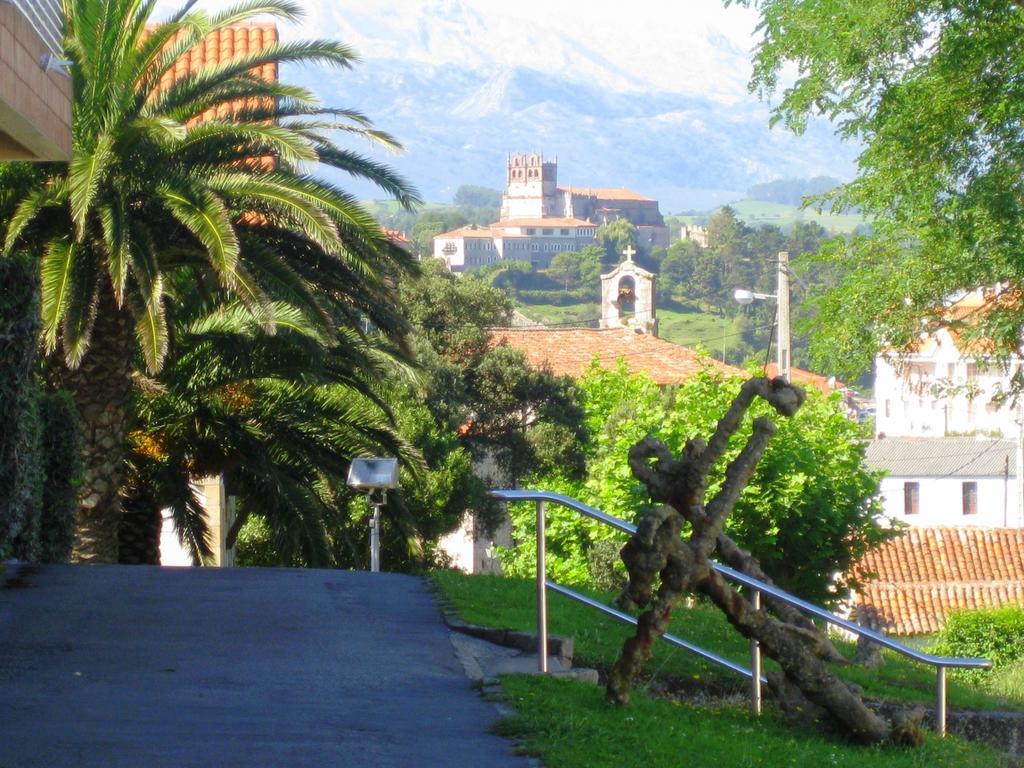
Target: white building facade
945, 434
540, 219
937, 391
948, 481
532, 240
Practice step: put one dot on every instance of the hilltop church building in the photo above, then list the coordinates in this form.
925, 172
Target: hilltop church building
540, 219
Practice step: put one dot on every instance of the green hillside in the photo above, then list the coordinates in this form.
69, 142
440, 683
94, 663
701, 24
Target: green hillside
754, 213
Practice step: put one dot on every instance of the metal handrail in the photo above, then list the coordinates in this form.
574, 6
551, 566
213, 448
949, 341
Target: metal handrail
941, 663
625, 618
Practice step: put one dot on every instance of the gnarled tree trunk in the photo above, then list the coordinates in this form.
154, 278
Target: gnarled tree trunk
806, 687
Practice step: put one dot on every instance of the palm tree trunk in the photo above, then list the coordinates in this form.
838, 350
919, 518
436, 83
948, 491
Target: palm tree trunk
101, 386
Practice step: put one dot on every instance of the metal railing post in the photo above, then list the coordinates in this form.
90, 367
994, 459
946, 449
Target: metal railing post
756, 700
759, 589
940, 700
542, 593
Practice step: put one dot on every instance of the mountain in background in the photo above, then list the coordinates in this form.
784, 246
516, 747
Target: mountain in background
792, 191
461, 89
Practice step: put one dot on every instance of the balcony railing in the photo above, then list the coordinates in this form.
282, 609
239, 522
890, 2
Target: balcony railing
46, 19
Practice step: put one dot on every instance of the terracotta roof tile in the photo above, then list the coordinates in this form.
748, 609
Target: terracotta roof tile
569, 352
548, 221
224, 45
608, 193
473, 230
912, 583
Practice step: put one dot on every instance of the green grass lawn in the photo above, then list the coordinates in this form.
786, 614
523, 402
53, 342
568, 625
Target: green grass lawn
555, 315
509, 604
570, 725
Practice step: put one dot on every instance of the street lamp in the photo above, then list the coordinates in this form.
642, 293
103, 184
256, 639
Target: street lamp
781, 296
375, 476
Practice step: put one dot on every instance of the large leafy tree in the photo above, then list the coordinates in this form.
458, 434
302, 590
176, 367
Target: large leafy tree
933, 90
189, 183
808, 513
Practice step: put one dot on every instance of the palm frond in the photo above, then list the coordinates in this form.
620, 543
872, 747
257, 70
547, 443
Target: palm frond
56, 287
278, 9
196, 85
205, 216
54, 192
113, 220
150, 321
85, 173
80, 310
252, 139
371, 170
190, 524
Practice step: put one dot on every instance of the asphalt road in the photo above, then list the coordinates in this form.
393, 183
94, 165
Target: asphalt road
148, 667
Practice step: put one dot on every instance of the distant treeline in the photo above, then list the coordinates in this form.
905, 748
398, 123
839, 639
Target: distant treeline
792, 191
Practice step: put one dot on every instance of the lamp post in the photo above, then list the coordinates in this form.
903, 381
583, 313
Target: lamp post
375, 476
784, 347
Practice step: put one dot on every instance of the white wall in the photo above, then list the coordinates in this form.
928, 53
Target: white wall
937, 393
940, 502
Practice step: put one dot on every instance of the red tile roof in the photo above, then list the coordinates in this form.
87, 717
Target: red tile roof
229, 43
914, 582
963, 314
569, 352
608, 193
473, 230
226, 44
547, 221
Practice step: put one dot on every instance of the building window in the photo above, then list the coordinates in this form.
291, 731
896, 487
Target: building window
970, 495
888, 409
563, 231
911, 498
547, 231
531, 231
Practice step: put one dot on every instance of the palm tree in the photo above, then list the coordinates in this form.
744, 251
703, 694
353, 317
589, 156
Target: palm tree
279, 417
160, 198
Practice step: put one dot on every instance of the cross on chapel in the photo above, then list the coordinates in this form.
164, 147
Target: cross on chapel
629, 253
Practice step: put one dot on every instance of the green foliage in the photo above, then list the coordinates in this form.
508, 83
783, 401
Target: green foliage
615, 237
932, 90
808, 512
62, 471
996, 634
256, 547
521, 417
431, 223
20, 470
39, 463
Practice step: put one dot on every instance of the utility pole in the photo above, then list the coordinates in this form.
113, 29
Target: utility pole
783, 350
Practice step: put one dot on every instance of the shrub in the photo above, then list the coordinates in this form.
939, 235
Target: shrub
996, 634
61, 476
20, 473
808, 512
